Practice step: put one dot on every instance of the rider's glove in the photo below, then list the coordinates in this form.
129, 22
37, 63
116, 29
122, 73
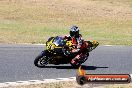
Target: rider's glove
95, 43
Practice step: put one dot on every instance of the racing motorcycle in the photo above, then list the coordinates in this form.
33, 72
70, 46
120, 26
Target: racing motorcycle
58, 52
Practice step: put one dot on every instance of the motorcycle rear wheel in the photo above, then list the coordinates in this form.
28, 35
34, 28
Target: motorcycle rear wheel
41, 60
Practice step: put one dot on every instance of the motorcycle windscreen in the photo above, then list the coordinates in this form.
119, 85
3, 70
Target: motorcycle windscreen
59, 41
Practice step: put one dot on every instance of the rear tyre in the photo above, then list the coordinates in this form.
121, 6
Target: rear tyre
41, 60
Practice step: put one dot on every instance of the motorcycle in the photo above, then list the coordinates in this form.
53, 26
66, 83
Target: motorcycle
58, 52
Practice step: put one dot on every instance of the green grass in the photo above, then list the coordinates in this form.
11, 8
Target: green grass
107, 21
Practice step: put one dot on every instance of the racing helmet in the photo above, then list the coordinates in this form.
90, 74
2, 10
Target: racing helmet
74, 31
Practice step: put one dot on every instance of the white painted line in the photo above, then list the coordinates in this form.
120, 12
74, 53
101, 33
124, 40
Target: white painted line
39, 44
108, 45
29, 44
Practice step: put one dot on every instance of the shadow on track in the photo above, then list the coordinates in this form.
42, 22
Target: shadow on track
70, 67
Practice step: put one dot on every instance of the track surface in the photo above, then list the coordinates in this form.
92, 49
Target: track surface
16, 63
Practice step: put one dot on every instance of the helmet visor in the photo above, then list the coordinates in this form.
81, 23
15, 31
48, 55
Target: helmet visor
74, 33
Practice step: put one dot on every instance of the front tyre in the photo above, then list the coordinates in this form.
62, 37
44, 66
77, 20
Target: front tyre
41, 60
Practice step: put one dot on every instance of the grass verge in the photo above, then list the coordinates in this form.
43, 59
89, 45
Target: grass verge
34, 21
72, 84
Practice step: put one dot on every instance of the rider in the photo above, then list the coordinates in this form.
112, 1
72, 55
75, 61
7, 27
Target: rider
77, 41
75, 37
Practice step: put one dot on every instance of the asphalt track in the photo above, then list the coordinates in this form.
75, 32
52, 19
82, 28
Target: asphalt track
16, 63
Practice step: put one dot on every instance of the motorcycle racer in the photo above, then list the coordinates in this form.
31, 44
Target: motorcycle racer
63, 50
75, 37
77, 41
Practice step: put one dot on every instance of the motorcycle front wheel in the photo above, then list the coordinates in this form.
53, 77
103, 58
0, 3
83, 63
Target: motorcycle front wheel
41, 60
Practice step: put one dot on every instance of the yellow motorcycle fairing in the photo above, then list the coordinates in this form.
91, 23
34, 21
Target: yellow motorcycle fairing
51, 46
70, 44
